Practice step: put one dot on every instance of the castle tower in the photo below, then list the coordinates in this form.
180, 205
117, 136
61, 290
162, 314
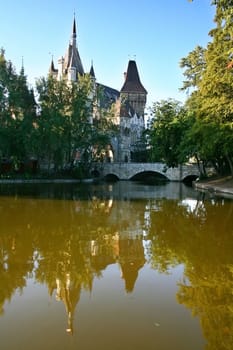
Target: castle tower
72, 63
70, 66
132, 106
133, 91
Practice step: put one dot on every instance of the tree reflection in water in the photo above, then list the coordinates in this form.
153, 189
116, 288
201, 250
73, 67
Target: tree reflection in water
202, 240
66, 244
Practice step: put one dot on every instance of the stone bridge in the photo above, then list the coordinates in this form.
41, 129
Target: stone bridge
128, 171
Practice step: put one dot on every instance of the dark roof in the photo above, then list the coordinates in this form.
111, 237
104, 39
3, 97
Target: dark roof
110, 92
72, 59
132, 81
108, 95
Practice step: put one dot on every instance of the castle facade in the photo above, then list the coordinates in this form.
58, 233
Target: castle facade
129, 103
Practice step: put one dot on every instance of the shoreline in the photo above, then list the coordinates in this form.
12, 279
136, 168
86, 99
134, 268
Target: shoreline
44, 181
218, 186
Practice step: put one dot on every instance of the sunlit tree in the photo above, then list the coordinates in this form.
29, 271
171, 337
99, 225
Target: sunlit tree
209, 76
168, 127
66, 124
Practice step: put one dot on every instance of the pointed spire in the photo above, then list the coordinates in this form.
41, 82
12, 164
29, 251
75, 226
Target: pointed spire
132, 81
22, 68
72, 57
74, 28
92, 72
52, 68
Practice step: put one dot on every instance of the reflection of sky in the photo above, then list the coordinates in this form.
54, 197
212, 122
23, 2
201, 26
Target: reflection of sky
191, 204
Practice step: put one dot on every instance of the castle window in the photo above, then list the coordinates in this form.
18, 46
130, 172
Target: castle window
126, 131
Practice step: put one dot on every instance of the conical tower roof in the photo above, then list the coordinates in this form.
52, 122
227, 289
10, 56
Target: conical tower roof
52, 67
132, 81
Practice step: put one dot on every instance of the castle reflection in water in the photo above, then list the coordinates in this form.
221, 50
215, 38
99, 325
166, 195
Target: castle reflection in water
65, 244
66, 239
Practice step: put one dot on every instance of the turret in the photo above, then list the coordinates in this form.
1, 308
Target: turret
52, 70
93, 95
92, 72
60, 68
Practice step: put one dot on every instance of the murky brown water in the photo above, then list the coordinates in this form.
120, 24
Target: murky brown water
121, 266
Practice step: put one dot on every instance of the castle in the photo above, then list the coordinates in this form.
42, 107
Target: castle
129, 102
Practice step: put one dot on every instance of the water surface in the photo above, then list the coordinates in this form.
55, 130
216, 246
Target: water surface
115, 266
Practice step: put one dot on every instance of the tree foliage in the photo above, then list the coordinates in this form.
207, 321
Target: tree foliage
203, 128
166, 132
213, 98
66, 125
17, 112
56, 128
209, 74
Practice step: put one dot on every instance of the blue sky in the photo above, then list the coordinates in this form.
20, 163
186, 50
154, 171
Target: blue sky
157, 33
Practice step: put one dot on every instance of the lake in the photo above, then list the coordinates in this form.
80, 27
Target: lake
121, 266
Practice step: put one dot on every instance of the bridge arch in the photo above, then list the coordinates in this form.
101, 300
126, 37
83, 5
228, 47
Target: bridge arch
111, 177
189, 179
149, 176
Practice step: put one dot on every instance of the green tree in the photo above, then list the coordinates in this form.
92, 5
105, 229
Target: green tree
17, 112
168, 127
66, 125
194, 65
209, 72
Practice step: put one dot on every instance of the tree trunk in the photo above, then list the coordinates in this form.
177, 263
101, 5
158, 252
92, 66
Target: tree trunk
230, 163
201, 166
